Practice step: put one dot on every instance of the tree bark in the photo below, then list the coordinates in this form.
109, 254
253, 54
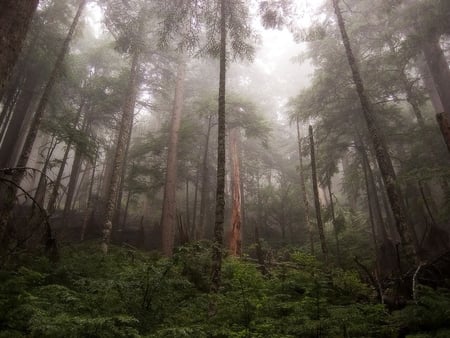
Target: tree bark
220, 187
379, 145
15, 19
235, 233
439, 70
303, 188
168, 216
333, 218
316, 196
9, 144
199, 233
127, 116
89, 207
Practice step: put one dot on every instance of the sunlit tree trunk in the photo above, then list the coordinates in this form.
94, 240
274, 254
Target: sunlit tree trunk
309, 225
124, 130
323, 242
235, 233
379, 145
15, 19
220, 187
168, 216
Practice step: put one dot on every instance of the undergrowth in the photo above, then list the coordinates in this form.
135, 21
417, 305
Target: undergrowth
134, 294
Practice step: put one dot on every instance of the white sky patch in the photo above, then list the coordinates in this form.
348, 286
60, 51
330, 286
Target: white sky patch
94, 18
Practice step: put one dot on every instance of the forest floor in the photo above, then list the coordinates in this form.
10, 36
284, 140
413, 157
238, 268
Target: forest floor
130, 293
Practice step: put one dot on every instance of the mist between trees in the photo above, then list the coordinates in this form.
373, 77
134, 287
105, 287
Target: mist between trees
279, 168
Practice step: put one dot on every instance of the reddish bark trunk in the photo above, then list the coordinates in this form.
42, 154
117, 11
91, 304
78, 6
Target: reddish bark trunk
235, 233
168, 217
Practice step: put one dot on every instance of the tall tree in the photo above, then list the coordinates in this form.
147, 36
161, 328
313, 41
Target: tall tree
220, 184
35, 124
236, 200
168, 216
119, 154
303, 187
379, 145
15, 18
323, 242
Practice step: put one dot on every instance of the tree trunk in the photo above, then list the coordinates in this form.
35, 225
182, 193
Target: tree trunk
193, 229
439, 70
51, 206
73, 180
122, 178
379, 145
309, 225
220, 187
316, 196
89, 207
9, 144
168, 216
56, 71
15, 19
127, 116
333, 218
430, 85
235, 233
205, 186
34, 127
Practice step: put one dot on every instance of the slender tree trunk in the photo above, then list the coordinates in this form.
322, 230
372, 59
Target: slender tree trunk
9, 104
73, 180
309, 225
54, 195
127, 116
259, 253
220, 187
316, 196
382, 154
15, 19
168, 217
125, 212
333, 218
235, 233
16, 122
34, 127
89, 207
194, 208
188, 215
430, 85
439, 70
56, 71
122, 178
205, 186
371, 217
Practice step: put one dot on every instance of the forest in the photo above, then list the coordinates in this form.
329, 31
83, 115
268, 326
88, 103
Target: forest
225, 168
